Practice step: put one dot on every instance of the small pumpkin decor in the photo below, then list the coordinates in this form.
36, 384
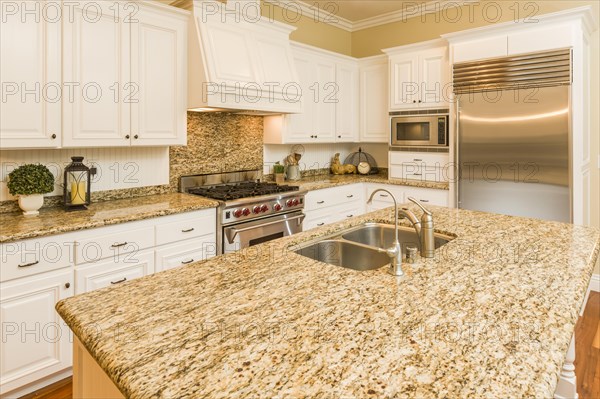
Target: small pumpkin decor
30, 182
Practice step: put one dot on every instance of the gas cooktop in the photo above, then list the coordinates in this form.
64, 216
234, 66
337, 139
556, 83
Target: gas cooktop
233, 191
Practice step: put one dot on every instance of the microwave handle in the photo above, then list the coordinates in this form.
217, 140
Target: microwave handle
232, 232
456, 177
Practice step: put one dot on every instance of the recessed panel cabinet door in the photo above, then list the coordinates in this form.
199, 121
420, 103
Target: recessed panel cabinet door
327, 94
30, 71
405, 80
433, 66
159, 76
347, 103
35, 340
301, 126
96, 67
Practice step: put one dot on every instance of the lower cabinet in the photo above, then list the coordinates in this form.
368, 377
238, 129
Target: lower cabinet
184, 253
333, 204
35, 341
428, 196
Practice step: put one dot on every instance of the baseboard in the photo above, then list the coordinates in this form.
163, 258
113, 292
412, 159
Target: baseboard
39, 384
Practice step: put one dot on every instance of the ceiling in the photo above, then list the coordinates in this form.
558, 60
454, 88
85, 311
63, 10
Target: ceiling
356, 10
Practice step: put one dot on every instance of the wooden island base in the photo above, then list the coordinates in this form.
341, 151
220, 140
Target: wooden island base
89, 380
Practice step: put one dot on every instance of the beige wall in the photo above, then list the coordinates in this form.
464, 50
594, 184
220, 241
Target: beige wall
310, 31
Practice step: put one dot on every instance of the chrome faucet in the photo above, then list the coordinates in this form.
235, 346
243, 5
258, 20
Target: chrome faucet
395, 251
424, 228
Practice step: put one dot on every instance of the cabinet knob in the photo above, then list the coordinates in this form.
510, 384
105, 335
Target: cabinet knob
315, 136
420, 101
53, 136
127, 137
136, 136
68, 285
414, 101
339, 137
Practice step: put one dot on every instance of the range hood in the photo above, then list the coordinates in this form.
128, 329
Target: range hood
239, 61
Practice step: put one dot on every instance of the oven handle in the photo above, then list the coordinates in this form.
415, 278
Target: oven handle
232, 232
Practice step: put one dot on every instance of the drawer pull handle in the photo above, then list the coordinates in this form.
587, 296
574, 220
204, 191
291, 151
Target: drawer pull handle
417, 160
320, 202
424, 200
349, 216
350, 196
119, 281
418, 174
384, 195
185, 262
187, 230
29, 264
320, 224
119, 245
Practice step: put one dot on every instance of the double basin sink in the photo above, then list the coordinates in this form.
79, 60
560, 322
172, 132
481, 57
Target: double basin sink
356, 248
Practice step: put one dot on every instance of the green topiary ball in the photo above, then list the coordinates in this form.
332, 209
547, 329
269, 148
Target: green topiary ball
30, 179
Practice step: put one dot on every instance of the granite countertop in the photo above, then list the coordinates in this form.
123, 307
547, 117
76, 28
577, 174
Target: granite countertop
318, 182
490, 316
56, 220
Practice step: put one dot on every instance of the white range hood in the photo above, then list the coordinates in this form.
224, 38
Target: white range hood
240, 61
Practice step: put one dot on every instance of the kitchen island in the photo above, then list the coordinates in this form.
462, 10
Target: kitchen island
492, 315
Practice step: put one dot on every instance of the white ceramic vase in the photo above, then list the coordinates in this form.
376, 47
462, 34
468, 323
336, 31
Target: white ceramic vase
30, 204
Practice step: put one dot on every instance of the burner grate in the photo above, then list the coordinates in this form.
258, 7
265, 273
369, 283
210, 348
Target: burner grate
228, 192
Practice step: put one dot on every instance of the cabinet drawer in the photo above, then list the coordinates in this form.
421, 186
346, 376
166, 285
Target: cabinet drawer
419, 158
29, 257
113, 271
377, 205
181, 254
319, 199
398, 192
114, 244
350, 211
428, 196
189, 226
317, 219
418, 172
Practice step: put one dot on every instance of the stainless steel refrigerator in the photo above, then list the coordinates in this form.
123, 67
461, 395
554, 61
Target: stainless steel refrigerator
513, 135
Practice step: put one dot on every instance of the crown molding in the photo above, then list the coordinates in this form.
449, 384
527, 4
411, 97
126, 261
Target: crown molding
312, 12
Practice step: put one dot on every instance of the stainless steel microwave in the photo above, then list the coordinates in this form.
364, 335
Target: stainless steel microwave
420, 130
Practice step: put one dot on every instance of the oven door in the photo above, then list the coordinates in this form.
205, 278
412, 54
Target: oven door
255, 232
418, 131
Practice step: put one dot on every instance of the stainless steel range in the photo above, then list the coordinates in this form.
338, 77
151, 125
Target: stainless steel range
251, 211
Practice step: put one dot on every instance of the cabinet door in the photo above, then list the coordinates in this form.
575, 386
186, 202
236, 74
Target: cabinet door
298, 128
114, 271
433, 74
35, 341
30, 71
374, 119
326, 91
159, 76
96, 64
347, 103
404, 82
185, 253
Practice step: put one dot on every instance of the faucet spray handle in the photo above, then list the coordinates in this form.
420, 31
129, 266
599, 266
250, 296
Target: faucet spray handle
416, 201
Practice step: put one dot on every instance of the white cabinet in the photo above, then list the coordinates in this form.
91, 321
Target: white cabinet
35, 341
419, 75
131, 73
401, 193
487, 47
374, 126
30, 72
330, 96
159, 75
184, 253
333, 204
423, 166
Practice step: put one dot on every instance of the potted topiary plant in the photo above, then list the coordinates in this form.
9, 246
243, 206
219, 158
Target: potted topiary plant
30, 182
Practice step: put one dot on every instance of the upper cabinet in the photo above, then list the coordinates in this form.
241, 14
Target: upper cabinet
374, 124
239, 61
329, 86
30, 72
419, 75
119, 72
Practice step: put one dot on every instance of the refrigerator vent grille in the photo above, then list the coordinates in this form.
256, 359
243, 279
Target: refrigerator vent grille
549, 68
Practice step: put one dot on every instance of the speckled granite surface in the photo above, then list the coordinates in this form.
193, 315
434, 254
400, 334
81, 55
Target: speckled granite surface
55, 220
490, 317
324, 181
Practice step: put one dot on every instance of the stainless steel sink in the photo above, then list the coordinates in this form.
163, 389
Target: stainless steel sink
345, 254
357, 248
382, 236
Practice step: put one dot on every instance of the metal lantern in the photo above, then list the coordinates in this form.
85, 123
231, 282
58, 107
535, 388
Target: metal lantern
77, 184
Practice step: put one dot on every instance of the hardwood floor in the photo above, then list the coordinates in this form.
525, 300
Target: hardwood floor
587, 363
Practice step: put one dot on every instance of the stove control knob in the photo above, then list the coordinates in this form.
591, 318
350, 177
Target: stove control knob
256, 209
296, 201
277, 207
237, 213
246, 211
264, 208
289, 203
